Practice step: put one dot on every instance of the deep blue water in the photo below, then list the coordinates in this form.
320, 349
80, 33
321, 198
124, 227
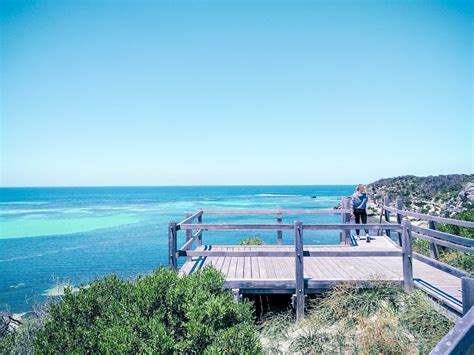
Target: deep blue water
61, 235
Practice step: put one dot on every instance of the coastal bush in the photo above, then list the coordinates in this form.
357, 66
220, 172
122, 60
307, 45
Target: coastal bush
457, 230
456, 258
251, 241
421, 246
158, 313
21, 340
378, 319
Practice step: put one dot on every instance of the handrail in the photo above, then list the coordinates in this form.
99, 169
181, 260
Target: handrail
426, 217
191, 217
272, 211
444, 236
287, 253
444, 243
459, 339
223, 227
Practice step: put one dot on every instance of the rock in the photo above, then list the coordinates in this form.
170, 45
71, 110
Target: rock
468, 192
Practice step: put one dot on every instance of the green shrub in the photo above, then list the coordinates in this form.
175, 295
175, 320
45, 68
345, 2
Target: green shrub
158, 313
456, 258
251, 241
421, 246
457, 230
21, 341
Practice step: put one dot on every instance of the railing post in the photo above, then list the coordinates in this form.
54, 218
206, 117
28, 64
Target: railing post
345, 218
386, 214
299, 270
172, 245
279, 233
189, 233
407, 255
199, 241
467, 287
399, 218
434, 252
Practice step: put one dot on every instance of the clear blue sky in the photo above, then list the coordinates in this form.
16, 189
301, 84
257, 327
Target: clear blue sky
268, 92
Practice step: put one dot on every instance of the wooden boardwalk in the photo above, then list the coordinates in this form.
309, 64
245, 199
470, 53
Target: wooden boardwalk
301, 269
260, 274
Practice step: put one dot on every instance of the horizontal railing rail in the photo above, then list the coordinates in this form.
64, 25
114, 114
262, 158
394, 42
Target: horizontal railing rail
233, 227
276, 253
191, 217
452, 221
272, 211
444, 236
459, 340
444, 243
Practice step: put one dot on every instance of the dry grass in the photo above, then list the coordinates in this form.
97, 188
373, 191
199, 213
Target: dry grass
349, 319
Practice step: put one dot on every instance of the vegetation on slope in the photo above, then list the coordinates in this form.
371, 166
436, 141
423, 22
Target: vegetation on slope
444, 194
158, 313
381, 319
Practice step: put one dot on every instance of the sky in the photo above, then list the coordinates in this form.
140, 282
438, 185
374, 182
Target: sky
234, 92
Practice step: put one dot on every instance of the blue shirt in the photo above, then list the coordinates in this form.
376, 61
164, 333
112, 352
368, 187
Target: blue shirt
359, 200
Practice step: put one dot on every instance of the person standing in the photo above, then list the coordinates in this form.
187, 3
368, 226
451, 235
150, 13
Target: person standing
359, 205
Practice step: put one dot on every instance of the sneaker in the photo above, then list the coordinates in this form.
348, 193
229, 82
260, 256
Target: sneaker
358, 237
367, 237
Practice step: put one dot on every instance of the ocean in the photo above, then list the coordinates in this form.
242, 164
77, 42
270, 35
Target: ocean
58, 236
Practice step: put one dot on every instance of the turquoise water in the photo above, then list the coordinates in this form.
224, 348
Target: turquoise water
73, 235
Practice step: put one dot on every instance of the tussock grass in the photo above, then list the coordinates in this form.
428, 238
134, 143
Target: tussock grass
369, 319
251, 241
276, 330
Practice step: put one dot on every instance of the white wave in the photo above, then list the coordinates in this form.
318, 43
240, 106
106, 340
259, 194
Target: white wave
277, 195
18, 285
23, 202
59, 290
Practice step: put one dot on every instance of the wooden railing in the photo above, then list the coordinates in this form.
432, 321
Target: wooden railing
434, 237
298, 252
197, 216
459, 340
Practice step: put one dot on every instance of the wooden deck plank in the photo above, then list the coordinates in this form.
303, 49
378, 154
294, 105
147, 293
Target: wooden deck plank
247, 267
261, 267
239, 268
290, 264
270, 267
225, 265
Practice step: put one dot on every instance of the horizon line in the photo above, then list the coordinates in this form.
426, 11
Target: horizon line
203, 185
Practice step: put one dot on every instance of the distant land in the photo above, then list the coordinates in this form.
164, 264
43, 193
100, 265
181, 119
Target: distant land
442, 194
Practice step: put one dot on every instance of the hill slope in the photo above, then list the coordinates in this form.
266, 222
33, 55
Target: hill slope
443, 194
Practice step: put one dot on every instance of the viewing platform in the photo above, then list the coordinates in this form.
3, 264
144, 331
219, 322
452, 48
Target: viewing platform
300, 269
260, 274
